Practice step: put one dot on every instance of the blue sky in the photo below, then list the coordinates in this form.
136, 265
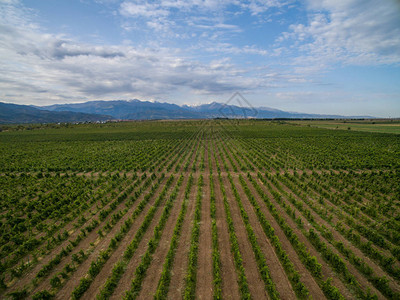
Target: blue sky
316, 56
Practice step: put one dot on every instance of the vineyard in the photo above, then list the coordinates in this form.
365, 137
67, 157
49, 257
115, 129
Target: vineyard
216, 209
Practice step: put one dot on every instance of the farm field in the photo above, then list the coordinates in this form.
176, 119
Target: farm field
213, 209
370, 125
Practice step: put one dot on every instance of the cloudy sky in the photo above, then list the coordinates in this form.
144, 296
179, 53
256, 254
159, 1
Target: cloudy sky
316, 56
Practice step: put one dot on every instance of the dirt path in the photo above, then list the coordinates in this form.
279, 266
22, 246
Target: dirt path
306, 276
106, 270
180, 264
254, 280
326, 270
230, 288
126, 279
204, 285
153, 273
277, 272
125, 282
178, 272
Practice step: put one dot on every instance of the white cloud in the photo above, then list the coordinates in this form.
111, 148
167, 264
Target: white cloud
231, 49
260, 6
8, 1
204, 56
189, 11
35, 66
144, 9
217, 26
361, 32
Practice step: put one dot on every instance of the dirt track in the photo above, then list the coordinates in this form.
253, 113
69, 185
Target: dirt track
229, 155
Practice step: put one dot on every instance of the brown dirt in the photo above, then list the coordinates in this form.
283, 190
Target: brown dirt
338, 237
125, 282
352, 269
326, 270
26, 279
230, 288
180, 264
254, 280
67, 289
153, 274
204, 286
277, 272
360, 278
306, 276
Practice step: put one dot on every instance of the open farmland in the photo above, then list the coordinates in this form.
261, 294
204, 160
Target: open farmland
199, 210
370, 125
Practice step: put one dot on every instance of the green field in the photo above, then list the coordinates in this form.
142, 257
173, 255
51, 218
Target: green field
373, 125
222, 209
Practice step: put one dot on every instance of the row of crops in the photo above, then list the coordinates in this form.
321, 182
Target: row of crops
199, 209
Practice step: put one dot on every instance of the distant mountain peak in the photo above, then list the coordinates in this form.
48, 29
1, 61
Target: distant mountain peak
135, 109
15, 114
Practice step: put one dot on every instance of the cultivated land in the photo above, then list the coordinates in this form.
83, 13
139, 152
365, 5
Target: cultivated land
370, 125
198, 210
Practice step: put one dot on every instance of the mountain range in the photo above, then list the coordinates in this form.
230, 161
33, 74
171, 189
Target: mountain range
141, 110
16, 114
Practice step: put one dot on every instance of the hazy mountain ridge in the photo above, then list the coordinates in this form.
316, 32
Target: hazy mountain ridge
140, 110
15, 114
128, 110
137, 110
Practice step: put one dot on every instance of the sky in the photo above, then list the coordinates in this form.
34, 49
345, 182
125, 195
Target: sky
313, 56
